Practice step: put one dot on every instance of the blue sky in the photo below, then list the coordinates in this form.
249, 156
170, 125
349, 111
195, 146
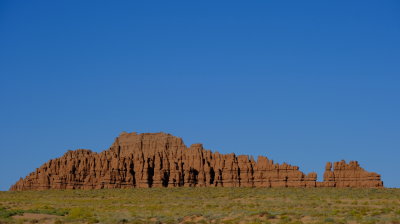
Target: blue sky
300, 82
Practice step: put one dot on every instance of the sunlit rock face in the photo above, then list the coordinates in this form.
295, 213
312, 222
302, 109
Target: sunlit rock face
162, 160
349, 175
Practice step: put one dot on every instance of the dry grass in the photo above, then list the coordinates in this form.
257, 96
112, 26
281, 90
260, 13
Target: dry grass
202, 205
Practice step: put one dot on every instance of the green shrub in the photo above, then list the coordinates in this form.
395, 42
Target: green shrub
5, 213
49, 210
329, 220
266, 214
80, 213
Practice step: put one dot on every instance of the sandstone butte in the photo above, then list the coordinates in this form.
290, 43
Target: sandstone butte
162, 160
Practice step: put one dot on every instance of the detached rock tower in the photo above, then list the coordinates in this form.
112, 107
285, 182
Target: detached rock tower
162, 160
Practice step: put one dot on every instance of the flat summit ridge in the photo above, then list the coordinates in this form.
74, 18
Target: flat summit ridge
163, 160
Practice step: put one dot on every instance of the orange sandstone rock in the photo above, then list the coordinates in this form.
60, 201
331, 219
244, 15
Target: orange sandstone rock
350, 175
162, 160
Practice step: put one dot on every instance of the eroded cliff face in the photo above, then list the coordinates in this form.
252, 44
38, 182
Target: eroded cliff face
349, 175
162, 160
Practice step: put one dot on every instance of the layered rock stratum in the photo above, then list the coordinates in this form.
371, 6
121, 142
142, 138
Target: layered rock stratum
162, 160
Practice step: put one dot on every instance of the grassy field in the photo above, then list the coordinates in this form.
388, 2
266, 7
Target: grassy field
202, 205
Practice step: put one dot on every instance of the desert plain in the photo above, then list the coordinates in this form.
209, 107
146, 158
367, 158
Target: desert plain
202, 205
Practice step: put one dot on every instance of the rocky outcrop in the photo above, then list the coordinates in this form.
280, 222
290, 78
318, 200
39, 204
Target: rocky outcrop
162, 160
349, 175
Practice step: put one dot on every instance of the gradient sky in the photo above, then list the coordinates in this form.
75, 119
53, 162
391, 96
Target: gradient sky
303, 83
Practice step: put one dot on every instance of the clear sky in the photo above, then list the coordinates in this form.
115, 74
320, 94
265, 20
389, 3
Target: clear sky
303, 82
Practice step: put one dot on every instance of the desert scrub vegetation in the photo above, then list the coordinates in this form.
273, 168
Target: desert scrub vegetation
203, 205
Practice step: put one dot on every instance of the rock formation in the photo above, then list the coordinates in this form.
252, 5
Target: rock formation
349, 175
162, 160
